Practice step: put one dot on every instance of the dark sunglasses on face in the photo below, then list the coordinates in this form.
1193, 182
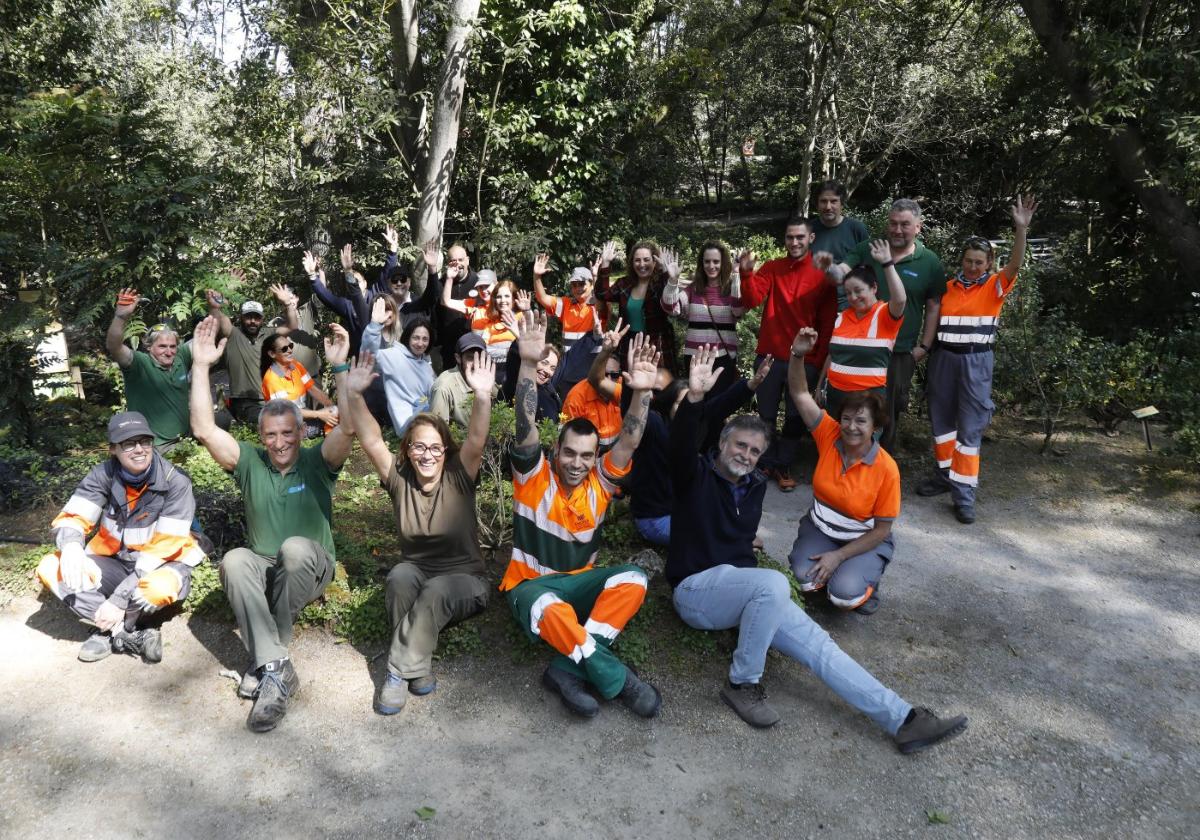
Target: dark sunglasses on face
613, 374
285, 348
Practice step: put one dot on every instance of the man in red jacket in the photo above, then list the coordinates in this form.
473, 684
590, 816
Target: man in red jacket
797, 294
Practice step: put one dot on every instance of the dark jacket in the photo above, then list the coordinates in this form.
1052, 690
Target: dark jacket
709, 526
549, 403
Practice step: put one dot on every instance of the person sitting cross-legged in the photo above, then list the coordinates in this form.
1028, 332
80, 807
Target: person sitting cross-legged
440, 577
139, 508
717, 583
288, 493
555, 592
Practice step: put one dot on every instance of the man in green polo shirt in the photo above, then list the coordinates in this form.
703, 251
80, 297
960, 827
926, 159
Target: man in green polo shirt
833, 231
924, 280
156, 382
287, 490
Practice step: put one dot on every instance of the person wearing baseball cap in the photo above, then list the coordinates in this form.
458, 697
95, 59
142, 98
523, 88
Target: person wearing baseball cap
450, 397
143, 552
577, 313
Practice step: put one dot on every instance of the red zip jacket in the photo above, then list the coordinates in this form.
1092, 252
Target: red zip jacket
798, 295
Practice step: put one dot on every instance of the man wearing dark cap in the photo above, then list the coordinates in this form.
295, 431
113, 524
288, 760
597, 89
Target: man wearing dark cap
138, 509
450, 397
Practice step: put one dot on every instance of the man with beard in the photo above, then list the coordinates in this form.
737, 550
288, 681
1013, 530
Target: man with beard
835, 233
717, 584
924, 280
287, 490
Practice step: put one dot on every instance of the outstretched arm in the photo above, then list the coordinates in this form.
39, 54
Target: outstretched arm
596, 377
206, 352
643, 371
480, 375
448, 299
114, 339
541, 267
531, 339
359, 378
1022, 215
803, 344
881, 252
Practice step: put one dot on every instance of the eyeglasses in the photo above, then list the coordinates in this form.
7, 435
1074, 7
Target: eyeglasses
136, 443
286, 348
419, 449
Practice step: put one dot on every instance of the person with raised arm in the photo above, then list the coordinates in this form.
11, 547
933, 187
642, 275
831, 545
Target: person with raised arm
396, 281
598, 398
449, 323
577, 313
288, 493
959, 387
440, 576
552, 585
284, 378
638, 295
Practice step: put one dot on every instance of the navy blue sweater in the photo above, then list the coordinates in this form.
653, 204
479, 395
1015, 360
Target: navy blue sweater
709, 526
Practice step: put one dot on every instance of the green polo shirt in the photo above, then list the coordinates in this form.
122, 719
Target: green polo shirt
299, 504
242, 356
838, 240
924, 279
161, 395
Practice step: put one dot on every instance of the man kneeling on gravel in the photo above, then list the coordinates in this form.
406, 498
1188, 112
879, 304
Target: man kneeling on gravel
139, 508
717, 582
288, 493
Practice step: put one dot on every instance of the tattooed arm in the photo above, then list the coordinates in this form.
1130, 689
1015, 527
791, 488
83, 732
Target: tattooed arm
643, 370
531, 342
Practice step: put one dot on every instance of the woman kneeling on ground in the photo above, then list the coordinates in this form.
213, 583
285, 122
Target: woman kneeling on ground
440, 577
845, 541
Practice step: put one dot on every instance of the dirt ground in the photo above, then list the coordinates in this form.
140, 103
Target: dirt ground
1064, 623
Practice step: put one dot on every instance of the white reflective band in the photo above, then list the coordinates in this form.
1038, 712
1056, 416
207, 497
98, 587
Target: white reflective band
173, 526
863, 342
135, 537
572, 336
966, 450
964, 338
539, 607
850, 603
946, 438
305, 378
833, 524
968, 320
531, 561
857, 371
599, 628
83, 508
873, 330
636, 578
969, 480
944, 464
583, 651
279, 395
541, 518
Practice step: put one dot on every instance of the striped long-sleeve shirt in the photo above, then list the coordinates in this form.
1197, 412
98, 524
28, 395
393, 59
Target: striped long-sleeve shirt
710, 314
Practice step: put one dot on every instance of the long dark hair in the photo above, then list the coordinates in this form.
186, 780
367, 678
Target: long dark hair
264, 357
725, 278
655, 251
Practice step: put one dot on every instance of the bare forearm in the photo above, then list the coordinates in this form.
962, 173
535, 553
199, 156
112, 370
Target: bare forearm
526, 404
1017, 258
114, 342
897, 296
933, 311
632, 429
810, 412
595, 375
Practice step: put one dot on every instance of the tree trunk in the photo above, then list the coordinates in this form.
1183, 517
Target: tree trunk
819, 58
407, 77
436, 170
1170, 216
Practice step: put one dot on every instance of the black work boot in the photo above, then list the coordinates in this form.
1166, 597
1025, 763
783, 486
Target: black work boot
145, 643
277, 685
572, 690
924, 729
639, 696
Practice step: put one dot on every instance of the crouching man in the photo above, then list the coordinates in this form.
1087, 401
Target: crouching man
717, 583
140, 558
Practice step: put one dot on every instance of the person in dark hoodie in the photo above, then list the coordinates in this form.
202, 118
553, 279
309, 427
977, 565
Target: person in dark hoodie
717, 583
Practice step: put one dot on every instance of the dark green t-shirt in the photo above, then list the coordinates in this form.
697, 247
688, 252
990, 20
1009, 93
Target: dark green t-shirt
161, 395
924, 279
838, 241
241, 360
299, 504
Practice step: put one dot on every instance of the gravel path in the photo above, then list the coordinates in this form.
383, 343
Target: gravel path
1067, 630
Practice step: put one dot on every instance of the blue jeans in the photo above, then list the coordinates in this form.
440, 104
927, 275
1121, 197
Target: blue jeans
758, 602
655, 529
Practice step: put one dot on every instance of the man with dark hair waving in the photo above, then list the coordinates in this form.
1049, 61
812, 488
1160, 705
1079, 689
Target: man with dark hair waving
555, 592
288, 494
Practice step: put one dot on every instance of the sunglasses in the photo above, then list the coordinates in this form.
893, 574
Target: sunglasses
977, 243
614, 375
286, 348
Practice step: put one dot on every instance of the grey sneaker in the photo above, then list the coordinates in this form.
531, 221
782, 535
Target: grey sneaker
964, 514
421, 686
924, 729
572, 690
145, 643
277, 685
248, 686
749, 700
97, 647
934, 486
392, 695
639, 696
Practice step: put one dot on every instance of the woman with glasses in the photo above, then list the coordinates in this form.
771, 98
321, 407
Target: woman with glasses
404, 365
284, 378
440, 577
959, 387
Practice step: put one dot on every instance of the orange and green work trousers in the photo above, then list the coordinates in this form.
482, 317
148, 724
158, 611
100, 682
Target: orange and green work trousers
550, 608
959, 388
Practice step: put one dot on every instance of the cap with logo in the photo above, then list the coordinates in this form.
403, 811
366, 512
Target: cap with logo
485, 277
127, 425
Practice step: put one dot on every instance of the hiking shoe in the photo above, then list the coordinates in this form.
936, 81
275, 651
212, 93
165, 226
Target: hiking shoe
869, 606
749, 700
248, 686
964, 514
572, 690
277, 685
97, 647
783, 477
924, 729
145, 643
935, 486
392, 695
421, 686
639, 696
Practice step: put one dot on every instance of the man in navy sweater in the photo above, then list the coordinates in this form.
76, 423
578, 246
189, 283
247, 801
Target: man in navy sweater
717, 584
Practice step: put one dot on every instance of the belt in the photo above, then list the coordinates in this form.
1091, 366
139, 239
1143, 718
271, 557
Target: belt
965, 349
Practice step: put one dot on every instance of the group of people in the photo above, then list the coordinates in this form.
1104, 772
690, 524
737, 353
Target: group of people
636, 420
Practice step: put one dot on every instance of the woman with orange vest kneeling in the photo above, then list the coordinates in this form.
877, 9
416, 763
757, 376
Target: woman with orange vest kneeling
959, 386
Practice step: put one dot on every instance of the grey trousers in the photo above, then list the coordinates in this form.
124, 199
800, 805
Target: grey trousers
854, 581
781, 452
267, 593
419, 607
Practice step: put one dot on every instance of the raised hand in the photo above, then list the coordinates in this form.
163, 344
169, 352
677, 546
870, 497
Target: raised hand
608, 253
392, 239
541, 265
206, 349
524, 300
127, 301
214, 299
1023, 210
283, 294
451, 273
432, 254
805, 341
761, 374
612, 338
508, 317
362, 372
238, 275
379, 311
881, 252
531, 335
701, 376
311, 264
669, 263
823, 260
643, 364
327, 416
337, 344
480, 373
347, 255
746, 262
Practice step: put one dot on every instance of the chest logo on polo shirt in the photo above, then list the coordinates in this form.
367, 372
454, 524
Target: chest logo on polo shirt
299, 488
910, 273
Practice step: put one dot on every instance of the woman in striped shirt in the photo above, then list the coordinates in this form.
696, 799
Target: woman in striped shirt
864, 333
710, 301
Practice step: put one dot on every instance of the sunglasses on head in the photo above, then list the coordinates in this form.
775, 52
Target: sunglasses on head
977, 243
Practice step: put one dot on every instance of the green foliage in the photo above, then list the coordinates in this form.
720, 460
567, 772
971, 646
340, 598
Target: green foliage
17, 565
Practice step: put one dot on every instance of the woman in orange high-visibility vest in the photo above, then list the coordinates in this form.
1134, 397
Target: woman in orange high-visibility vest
959, 385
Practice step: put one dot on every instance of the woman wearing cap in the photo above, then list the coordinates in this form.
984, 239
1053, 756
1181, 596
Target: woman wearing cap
404, 365
577, 313
475, 306
440, 577
639, 295
284, 378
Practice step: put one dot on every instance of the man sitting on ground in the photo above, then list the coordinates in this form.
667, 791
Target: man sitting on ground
288, 494
717, 583
555, 592
140, 559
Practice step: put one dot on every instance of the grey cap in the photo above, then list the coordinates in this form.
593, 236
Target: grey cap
580, 274
469, 341
126, 425
485, 277
252, 306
